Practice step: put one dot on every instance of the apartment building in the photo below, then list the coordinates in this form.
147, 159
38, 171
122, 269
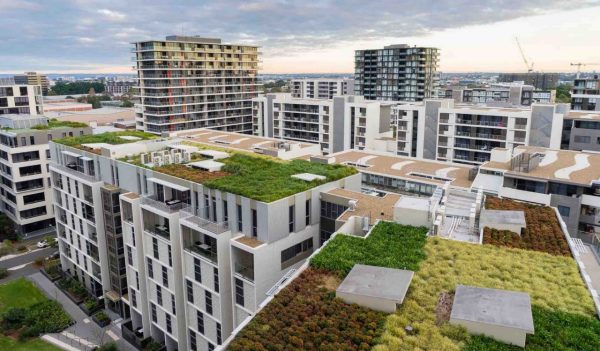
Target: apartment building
25, 192
118, 87
467, 134
567, 180
33, 78
321, 88
543, 81
199, 258
500, 94
396, 73
585, 95
337, 124
581, 131
20, 98
188, 82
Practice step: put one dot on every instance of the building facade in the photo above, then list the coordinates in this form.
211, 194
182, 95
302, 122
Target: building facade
26, 193
193, 82
543, 81
321, 88
500, 94
337, 124
118, 87
20, 98
198, 261
33, 78
396, 73
585, 95
581, 131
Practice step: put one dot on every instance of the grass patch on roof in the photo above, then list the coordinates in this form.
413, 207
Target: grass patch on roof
267, 180
113, 138
542, 232
55, 123
388, 245
553, 283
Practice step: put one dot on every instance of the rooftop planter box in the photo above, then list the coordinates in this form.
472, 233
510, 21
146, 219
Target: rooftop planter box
52, 271
74, 290
101, 318
91, 305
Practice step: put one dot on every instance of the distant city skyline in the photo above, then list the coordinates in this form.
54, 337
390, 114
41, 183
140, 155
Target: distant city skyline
89, 36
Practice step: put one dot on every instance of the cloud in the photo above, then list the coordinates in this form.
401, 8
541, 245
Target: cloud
111, 15
98, 31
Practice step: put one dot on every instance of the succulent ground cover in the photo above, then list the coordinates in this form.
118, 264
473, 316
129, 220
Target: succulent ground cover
543, 232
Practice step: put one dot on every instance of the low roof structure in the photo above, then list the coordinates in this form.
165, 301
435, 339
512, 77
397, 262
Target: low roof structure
502, 217
510, 309
378, 288
207, 165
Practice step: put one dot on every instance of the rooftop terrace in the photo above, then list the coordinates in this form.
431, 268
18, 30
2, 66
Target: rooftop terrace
110, 138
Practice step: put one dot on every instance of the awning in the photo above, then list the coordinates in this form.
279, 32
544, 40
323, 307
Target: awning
168, 184
70, 153
112, 296
85, 158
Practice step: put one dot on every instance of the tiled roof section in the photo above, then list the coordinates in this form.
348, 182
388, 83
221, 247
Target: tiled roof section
402, 167
560, 165
230, 140
374, 207
248, 241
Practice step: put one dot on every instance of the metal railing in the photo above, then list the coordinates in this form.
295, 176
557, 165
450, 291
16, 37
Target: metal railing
193, 215
162, 205
74, 173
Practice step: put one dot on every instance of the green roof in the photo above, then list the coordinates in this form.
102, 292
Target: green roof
113, 138
55, 124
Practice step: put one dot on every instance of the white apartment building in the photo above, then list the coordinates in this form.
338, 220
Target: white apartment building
321, 88
20, 98
585, 95
25, 191
337, 124
199, 259
188, 82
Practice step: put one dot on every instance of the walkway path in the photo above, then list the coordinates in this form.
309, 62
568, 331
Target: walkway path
85, 334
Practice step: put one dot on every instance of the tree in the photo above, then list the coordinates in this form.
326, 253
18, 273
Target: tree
127, 103
563, 93
7, 228
72, 88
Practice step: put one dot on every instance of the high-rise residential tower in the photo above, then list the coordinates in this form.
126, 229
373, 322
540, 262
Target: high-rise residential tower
33, 78
396, 72
188, 82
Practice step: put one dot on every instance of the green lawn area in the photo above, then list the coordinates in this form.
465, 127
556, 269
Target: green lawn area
55, 123
7, 344
266, 180
113, 138
19, 293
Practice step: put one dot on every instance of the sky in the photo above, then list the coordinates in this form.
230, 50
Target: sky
310, 36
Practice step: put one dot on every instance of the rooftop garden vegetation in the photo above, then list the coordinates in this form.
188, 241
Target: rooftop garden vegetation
305, 315
54, 123
388, 245
266, 180
543, 231
113, 138
545, 277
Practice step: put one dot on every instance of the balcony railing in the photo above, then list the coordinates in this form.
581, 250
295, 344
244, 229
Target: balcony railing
199, 249
193, 215
245, 271
74, 173
169, 206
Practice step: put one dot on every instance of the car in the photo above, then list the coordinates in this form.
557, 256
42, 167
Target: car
53, 256
42, 244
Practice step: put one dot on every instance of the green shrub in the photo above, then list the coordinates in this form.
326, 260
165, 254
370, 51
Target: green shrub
13, 318
388, 245
46, 317
3, 273
102, 317
111, 346
22, 248
90, 303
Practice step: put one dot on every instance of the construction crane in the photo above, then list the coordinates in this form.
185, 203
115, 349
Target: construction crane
580, 64
529, 67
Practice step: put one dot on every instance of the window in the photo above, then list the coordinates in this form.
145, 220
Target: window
129, 256
197, 270
137, 280
32, 140
208, 302
133, 298
219, 340
189, 288
564, 210
170, 256
307, 211
206, 207
168, 320
173, 309
584, 139
193, 345
165, 276
150, 268
225, 212
159, 295
239, 292
155, 247
288, 255
133, 236
200, 322
214, 208
211, 347
254, 223
291, 215
216, 278
239, 217
153, 312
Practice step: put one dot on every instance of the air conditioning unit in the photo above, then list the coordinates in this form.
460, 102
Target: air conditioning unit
153, 154
145, 158
177, 158
157, 161
187, 157
168, 159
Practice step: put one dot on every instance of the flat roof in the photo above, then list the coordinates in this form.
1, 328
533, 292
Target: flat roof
407, 167
378, 282
102, 116
376, 207
589, 115
503, 217
568, 166
511, 309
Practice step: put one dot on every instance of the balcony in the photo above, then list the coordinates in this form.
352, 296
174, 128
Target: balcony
193, 216
169, 206
246, 272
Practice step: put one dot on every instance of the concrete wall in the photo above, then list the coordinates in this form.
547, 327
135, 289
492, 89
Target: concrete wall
506, 335
377, 304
